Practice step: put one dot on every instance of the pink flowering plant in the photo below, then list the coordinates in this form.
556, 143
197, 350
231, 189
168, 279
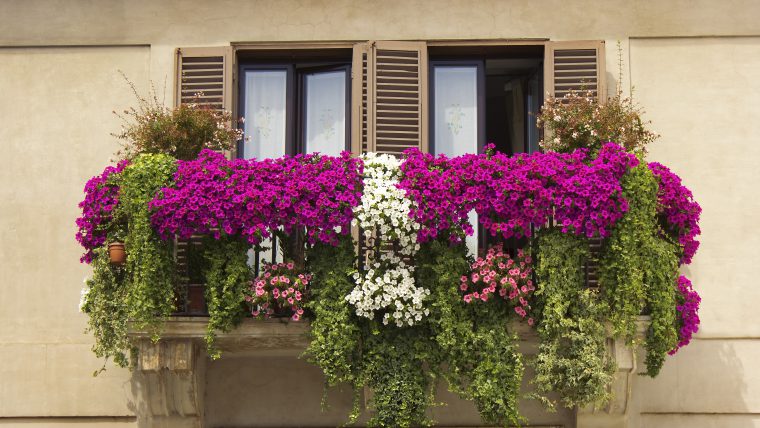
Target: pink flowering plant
101, 197
688, 312
280, 291
254, 199
497, 275
510, 193
678, 210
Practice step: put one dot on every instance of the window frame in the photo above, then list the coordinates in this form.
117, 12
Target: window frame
300, 144
294, 66
481, 98
289, 108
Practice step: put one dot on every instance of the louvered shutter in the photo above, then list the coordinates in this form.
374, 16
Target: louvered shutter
360, 112
390, 93
205, 71
203, 76
575, 66
578, 66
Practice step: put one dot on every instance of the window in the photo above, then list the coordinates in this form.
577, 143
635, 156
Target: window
482, 100
294, 105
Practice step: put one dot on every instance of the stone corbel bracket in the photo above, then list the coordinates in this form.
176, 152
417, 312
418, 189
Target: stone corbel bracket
615, 413
169, 378
170, 375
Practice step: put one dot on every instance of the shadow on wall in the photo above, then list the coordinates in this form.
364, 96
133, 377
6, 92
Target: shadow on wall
704, 385
285, 391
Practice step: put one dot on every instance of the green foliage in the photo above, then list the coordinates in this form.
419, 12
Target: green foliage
150, 262
335, 331
625, 252
469, 346
639, 268
660, 276
227, 277
572, 358
394, 368
475, 352
108, 315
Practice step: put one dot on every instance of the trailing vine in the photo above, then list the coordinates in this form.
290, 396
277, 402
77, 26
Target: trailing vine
103, 301
150, 262
335, 332
394, 368
660, 275
572, 358
227, 279
476, 352
625, 253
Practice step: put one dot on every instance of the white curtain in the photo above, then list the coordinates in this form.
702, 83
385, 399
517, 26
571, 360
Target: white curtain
456, 119
326, 112
265, 104
264, 127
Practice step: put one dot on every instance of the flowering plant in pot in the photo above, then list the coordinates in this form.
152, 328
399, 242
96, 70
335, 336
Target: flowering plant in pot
279, 292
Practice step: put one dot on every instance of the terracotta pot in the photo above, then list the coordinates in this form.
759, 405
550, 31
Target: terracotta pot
196, 299
117, 253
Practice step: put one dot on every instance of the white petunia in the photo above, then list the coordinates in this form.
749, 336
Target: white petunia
384, 214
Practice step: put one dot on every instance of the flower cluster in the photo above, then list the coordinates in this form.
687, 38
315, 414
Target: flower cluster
511, 193
253, 198
279, 291
181, 132
499, 273
678, 209
387, 284
578, 120
688, 311
101, 197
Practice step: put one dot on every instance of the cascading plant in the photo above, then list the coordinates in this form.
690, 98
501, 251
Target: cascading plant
386, 285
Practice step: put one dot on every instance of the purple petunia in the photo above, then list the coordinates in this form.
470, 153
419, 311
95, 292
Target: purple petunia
253, 198
679, 210
101, 197
511, 193
688, 311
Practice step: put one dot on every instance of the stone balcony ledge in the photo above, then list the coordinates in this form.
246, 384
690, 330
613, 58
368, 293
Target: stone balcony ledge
170, 373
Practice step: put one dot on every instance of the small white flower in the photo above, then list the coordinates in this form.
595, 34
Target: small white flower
384, 213
83, 295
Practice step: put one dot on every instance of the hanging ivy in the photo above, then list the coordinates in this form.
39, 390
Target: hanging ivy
228, 278
103, 300
572, 359
478, 354
660, 276
335, 332
626, 250
150, 262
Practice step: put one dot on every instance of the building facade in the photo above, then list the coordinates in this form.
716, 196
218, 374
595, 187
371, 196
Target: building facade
691, 64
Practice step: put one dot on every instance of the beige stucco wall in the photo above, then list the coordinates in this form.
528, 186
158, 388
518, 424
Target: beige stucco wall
702, 95
59, 84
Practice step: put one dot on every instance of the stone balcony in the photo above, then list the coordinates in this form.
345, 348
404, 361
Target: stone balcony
170, 376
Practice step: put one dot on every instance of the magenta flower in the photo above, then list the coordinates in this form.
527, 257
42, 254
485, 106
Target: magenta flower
510, 194
101, 197
688, 312
252, 198
678, 210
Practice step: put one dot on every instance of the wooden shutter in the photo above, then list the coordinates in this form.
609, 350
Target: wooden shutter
575, 66
390, 96
578, 66
360, 103
203, 75
206, 71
